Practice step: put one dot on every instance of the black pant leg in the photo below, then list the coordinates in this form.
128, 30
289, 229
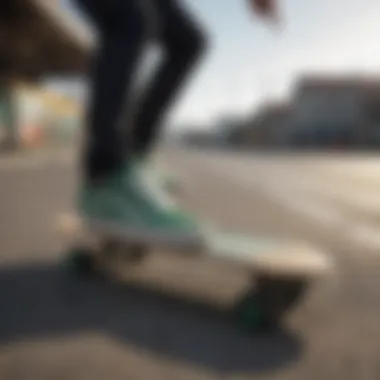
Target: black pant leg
183, 43
121, 27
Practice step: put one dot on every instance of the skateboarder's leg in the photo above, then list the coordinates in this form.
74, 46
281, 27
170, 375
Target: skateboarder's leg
183, 42
121, 31
112, 194
121, 27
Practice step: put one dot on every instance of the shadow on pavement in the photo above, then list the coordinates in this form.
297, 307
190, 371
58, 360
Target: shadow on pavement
42, 300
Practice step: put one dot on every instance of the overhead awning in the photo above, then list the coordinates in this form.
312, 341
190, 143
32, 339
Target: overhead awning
38, 37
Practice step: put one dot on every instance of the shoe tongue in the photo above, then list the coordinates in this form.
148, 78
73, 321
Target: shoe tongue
149, 185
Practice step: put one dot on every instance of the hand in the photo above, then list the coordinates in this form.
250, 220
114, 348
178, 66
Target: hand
266, 9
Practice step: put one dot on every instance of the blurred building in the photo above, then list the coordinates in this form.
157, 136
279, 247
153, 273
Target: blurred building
37, 39
44, 117
270, 126
336, 111
323, 112
226, 129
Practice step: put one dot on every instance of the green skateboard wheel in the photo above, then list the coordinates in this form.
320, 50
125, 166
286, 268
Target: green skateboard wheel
248, 314
80, 261
264, 306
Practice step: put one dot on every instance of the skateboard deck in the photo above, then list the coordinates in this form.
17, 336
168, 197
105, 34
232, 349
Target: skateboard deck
261, 255
278, 271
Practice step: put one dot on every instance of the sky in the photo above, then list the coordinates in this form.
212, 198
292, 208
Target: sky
250, 61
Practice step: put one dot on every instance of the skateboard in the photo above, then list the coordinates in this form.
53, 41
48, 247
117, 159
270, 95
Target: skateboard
279, 271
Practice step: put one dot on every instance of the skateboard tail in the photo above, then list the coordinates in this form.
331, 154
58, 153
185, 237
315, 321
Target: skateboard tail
272, 256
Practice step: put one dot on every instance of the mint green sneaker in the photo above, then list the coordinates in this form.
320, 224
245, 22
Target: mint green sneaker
167, 181
130, 207
160, 214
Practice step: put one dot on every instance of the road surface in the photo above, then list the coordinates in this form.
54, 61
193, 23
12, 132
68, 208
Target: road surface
53, 327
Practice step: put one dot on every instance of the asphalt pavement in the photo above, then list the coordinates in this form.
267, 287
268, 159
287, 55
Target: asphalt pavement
53, 326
